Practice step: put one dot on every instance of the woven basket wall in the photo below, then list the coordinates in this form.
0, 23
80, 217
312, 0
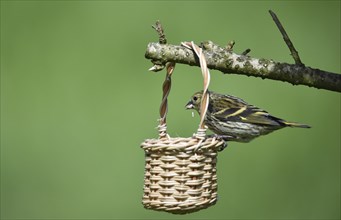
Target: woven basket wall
180, 177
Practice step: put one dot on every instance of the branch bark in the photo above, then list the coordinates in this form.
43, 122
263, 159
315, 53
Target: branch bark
227, 61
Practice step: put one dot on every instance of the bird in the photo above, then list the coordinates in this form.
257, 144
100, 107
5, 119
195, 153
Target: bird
233, 119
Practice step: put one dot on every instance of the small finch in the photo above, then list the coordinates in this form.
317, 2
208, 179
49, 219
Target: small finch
233, 119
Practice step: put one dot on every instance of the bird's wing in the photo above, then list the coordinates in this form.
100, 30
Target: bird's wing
247, 114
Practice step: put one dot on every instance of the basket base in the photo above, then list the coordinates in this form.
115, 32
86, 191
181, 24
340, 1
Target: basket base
180, 208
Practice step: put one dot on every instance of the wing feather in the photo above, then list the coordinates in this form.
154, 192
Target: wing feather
247, 114
230, 108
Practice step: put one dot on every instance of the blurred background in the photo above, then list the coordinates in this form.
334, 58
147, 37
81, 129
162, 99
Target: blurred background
77, 101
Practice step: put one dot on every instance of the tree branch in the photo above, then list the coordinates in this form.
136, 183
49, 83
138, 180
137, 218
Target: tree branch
226, 61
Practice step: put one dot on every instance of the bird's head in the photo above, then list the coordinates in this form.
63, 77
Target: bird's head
195, 101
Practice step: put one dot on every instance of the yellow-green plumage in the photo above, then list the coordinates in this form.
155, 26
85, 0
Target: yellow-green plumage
236, 120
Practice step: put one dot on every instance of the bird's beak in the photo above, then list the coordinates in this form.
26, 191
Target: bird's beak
189, 105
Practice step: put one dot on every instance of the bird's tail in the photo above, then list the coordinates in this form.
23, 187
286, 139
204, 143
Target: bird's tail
295, 125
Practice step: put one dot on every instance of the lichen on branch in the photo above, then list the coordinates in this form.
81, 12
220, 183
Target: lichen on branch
226, 61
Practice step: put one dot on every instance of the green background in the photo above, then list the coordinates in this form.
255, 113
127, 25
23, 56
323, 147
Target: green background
77, 101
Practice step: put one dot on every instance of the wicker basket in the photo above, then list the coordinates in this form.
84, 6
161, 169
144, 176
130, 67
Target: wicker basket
179, 179
180, 173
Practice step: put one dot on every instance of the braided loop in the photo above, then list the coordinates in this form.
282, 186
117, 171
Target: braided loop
206, 75
166, 87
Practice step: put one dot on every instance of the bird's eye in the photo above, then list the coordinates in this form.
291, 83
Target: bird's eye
195, 98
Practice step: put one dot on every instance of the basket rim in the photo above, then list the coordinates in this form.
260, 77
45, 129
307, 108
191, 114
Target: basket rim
183, 144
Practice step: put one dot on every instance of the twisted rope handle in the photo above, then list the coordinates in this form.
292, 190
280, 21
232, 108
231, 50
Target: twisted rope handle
201, 133
164, 103
205, 96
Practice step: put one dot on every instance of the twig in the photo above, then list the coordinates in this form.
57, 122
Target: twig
158, 66
230, 45
286, 38
159, 29
246, 51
